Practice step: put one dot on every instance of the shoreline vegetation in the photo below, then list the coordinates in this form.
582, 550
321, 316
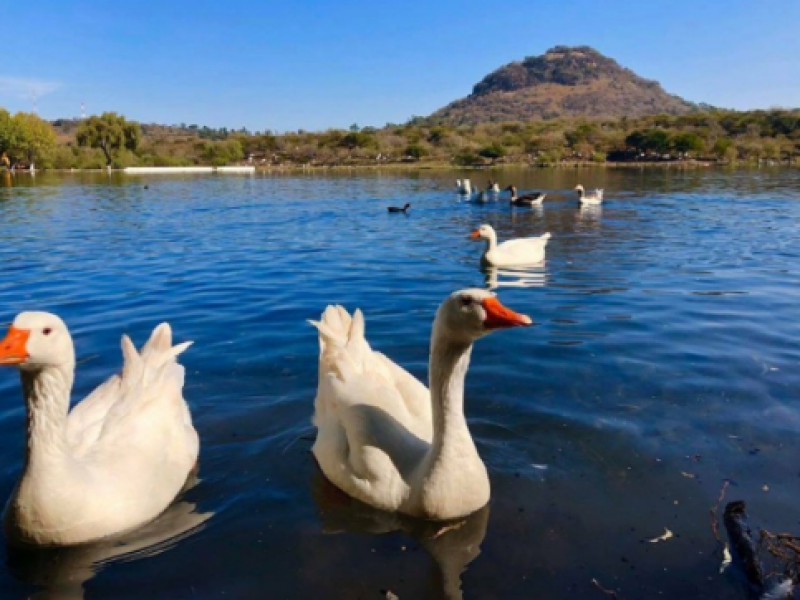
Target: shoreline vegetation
406, 167
695, 140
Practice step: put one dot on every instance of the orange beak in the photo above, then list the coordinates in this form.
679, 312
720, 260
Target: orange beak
475, 234
500, 317
13, 349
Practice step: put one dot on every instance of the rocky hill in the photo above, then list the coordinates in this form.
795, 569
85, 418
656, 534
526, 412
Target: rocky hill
564, 82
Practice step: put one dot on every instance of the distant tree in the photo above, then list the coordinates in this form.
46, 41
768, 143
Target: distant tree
36, 137
10, 134
636, 140
583, 133
415, 151
653, 140
492, 152
110, 133
721, 147
357, 139
436, 135
355, 128
465, 157
223, 152
688, 141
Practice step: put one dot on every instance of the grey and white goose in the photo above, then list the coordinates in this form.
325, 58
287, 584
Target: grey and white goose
532, 199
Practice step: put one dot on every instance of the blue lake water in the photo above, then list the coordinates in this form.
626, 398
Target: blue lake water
666, 358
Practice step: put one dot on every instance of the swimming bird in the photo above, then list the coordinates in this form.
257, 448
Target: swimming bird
386, 440
463, 186
532, 199
116, 460
593, 197
397, 209
524, 251
493, 187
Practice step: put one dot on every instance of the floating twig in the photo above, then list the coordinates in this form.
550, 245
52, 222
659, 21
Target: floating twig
610, 593
715, 510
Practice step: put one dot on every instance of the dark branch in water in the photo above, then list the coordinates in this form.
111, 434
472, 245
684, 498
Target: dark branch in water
743, 545
784, 547
610, 593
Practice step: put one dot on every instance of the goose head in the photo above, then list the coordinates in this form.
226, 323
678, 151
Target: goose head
37, 340
468, 315
484, 232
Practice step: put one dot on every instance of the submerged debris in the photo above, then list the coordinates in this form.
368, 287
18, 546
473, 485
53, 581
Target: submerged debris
610, 593
786, 548
726, 559
715, 510
780, 551
741, 538
662, 538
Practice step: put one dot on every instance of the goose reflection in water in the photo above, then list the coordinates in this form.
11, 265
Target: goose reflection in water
529, 276
590, 214
61, 572
451, 544
523, 214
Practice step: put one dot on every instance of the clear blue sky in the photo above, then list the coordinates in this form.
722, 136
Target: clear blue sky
316, 64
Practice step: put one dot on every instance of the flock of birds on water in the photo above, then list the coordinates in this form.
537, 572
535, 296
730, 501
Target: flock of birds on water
464, 187
511, 253
123, 454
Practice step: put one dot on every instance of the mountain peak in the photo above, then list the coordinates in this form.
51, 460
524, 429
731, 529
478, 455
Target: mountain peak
566, 81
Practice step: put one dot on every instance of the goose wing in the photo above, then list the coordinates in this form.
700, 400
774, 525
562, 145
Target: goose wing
371, 434
142, 408
523, 246
371, 377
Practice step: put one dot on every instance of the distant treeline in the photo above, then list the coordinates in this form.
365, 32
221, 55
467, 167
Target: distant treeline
725, 136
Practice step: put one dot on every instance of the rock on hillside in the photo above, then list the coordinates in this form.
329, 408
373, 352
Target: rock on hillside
564, 82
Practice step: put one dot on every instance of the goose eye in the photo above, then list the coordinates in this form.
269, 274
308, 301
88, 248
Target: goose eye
466, 300
47, 331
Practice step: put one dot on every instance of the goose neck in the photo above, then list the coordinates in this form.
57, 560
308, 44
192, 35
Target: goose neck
449, 362
491, 241
46, 394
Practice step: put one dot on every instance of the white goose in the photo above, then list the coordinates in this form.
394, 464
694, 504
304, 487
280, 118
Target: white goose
382, 437
524, 251
463, 186
594, 197
114, 462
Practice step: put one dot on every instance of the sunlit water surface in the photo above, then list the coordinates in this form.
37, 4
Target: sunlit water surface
664, 360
